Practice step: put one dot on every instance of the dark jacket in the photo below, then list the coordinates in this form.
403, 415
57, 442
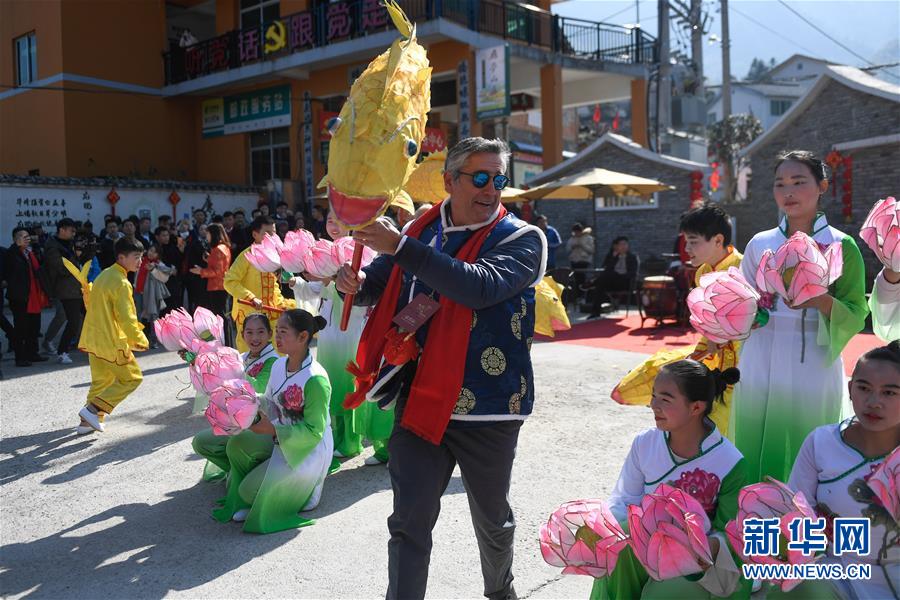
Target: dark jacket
16, 271
631, 264
59, 283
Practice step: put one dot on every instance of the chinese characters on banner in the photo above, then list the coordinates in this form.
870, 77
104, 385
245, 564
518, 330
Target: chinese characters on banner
260, 109
308, 147
462, 87
330, 23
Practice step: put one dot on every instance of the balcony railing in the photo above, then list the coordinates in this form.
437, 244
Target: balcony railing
341, 21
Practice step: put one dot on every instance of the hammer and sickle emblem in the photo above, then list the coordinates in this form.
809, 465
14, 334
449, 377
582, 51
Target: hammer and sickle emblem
276, 37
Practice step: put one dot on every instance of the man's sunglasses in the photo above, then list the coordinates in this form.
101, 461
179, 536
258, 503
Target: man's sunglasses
481, 179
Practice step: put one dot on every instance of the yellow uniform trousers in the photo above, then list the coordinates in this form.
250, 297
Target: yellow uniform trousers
112, 383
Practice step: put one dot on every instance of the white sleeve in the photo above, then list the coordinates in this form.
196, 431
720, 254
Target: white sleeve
749, 264
630, 486
308, 295
885, 307
805, 473
723, 577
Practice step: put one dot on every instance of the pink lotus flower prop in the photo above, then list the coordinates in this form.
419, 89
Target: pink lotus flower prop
583, 537
173, 328
723, 307
208, 326
881, 232
799, 271
232, 407
669, 533
771, 500
265, 256
885, 483
296, 249
320, 262
210, 369
342, 252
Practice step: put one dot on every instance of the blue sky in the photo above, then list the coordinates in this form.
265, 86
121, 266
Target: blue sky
869, 27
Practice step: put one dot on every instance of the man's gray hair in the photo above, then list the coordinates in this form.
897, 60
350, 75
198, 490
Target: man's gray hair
458, 154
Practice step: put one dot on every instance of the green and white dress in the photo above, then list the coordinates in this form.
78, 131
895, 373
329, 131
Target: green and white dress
212, 446
792, 375
276, 477
713, 477
334, 349
833, 475
885, 306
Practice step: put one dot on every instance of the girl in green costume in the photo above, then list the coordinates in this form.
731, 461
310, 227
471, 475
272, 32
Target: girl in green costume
792, 373
277, 468
258, 361
685, 451
335, 348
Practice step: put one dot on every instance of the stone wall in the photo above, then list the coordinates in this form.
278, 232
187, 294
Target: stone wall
650, 231
838, 114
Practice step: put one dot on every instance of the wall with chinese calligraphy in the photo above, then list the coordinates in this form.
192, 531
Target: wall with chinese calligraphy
32, 205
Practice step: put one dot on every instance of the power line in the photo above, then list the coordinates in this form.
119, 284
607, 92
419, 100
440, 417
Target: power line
615, 14
732, 7
823, 32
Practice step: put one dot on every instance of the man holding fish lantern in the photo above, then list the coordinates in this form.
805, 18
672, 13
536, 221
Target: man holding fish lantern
449, 344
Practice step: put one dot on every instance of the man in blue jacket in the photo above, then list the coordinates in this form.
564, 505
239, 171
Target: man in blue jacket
461, 279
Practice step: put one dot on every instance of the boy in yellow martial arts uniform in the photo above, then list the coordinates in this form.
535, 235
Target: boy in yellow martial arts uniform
707, 231
110, 334
244, 282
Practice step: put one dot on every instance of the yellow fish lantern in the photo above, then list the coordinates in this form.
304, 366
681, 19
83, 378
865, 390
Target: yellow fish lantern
376, 138
426, 184
550, 313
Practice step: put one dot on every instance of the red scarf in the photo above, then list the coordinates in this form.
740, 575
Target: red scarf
37, 299
439, 376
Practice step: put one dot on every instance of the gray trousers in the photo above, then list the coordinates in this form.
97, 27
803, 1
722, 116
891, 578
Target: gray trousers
420, 472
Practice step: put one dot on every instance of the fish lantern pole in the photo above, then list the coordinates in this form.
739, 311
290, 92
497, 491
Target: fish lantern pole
375, 139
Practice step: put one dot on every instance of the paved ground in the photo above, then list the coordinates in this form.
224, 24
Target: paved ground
124, 515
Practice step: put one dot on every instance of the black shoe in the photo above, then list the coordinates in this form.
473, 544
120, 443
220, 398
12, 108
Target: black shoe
38, 358
23, 363
594, 316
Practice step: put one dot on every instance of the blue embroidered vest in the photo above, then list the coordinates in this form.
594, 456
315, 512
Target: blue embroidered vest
499, 382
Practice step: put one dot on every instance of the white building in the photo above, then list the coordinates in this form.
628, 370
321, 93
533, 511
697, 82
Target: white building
767, 100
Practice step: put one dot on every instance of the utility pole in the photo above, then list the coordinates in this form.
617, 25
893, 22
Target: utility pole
697, 21
664, 85
728, 169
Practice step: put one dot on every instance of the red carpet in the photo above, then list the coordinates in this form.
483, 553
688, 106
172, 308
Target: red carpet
625, 333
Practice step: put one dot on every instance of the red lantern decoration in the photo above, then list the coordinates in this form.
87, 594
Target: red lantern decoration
696, 188
834, 160
113, 197
847, 188
174, 199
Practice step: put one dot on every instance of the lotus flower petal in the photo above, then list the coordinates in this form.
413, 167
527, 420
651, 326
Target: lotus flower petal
208, 326
320, 262
767, 500
723, 306
799, 270
881, 232
210, 369
584, 537
885, 483
265, 256
342, 252
232, 407
296, 250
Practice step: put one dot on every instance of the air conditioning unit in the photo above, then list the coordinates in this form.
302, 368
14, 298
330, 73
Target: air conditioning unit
688, 111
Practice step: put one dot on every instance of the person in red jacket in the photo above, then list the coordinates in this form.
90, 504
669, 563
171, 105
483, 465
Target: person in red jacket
218, 261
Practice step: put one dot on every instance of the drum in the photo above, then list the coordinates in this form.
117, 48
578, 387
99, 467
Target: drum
659, 297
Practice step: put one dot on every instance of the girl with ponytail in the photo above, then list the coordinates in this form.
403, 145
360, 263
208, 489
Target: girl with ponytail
277, 468
836, 466
685, 450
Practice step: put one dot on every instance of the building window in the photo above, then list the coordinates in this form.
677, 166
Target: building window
258, 12
711, 119
26, 59
270, 155
625, 202
779, 107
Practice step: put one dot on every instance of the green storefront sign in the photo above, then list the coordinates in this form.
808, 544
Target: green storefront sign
261, 109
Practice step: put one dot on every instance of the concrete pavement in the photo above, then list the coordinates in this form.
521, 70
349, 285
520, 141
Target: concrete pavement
124, 514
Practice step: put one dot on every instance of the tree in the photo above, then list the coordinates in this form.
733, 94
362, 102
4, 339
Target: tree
727, 138
759, 69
